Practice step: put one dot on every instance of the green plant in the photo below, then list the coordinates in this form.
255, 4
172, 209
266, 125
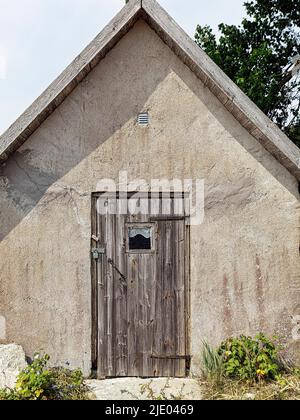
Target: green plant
296, 372
67, 385
148, 392
212, 364
37, 382
249, 358
8, 394
34, 381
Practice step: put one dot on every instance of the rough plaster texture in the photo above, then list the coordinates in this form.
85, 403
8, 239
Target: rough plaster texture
143, 389
244, 257
12, 361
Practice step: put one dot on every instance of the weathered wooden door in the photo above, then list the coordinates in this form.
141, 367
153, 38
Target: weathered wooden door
141, 310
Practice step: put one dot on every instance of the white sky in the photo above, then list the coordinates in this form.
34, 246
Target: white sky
39, 38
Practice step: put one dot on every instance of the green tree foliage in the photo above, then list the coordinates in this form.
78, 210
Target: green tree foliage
257, 55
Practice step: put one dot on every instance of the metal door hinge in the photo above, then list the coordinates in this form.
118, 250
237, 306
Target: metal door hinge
97, 252
175, 356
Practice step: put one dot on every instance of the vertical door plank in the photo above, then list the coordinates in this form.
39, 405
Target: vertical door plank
155, 307
151, 296
132, 285
132, 302
120, 299
101, 280
145, 283
110, 221
139, 321
157, 346
168, 300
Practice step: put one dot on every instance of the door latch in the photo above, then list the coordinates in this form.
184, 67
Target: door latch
96, 252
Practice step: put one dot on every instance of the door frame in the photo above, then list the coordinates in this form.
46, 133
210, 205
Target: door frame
94, 274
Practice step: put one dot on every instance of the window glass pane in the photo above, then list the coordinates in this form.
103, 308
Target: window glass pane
140, 238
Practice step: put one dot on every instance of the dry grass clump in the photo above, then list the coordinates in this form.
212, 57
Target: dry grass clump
286, 388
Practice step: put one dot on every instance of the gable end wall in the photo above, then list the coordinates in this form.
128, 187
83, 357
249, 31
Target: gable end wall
244, 256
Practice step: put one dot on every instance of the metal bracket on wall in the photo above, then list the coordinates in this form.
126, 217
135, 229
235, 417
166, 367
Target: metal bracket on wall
96, 252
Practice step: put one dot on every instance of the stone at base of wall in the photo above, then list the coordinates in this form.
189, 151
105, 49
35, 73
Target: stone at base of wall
12, 361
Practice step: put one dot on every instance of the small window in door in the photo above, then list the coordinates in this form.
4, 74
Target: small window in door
140, 238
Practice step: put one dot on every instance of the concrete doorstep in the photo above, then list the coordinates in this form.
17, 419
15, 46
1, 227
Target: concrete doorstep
146, 389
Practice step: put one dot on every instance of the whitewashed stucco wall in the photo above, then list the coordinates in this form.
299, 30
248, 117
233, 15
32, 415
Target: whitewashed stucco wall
244, 257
